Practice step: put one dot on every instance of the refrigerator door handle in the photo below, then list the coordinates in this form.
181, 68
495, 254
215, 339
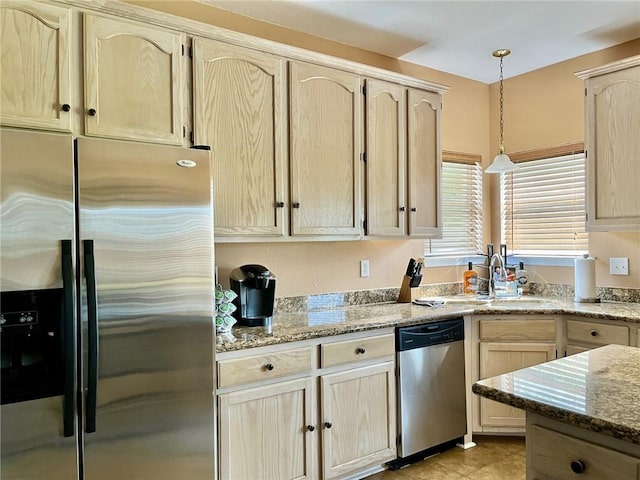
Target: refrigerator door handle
92, 331
68, 409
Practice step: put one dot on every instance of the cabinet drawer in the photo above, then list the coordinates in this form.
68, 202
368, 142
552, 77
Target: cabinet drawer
597, 333
552, 455
525, 330
263, 367
357, 350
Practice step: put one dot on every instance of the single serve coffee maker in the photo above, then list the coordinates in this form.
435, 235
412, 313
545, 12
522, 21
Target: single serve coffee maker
256, 288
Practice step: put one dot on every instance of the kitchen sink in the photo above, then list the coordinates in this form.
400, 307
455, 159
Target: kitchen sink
497, 302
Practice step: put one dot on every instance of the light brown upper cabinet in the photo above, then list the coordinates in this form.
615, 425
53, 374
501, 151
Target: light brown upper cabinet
425, 163
240, 111
325, 135
35, 78
612, 141
386, 117
133, 81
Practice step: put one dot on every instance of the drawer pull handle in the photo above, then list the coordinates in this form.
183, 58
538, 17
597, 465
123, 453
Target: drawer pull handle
269, 366
328, 425
360, 350
578, 466
296, 205
594, 333
280, 204
92, 112
66, 107
311, 428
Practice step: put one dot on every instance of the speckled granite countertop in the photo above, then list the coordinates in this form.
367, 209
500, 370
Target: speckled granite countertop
597, 390
290, 327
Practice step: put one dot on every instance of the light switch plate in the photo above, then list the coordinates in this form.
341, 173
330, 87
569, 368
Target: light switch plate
364, 268
619, 266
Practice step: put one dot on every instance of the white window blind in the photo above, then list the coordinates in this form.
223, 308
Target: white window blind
461, 209
543, 206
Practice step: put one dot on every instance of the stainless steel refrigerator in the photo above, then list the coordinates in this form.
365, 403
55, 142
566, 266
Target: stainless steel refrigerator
106, 326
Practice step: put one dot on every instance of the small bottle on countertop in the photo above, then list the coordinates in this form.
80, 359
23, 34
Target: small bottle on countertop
523, 278
470, 281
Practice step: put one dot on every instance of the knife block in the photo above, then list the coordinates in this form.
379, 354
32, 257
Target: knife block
407, 294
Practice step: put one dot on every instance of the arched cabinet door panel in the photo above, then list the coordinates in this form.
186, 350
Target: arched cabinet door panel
35, 73
612, 143
325, 134
386, 176
133, 81
240, 111
425, 163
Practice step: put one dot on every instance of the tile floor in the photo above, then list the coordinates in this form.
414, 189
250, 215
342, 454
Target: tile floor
494, 458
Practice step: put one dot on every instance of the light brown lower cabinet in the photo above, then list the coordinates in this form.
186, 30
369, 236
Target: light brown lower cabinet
584, 335
263, 434
555, 455
313, 422
508, 343
358, 419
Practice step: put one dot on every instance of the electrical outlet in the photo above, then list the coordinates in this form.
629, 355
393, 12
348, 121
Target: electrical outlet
619, 266
364, 268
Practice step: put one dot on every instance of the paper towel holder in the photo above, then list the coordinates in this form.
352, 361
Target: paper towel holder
577, 299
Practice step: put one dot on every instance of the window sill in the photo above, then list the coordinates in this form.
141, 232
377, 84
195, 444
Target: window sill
537, 260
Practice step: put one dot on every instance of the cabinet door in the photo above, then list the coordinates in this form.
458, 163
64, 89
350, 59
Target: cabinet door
133, 81
325, 143
613, 149
264, 432
498, 358
240, 111
386, 109
35, 76
425, 164
358, 418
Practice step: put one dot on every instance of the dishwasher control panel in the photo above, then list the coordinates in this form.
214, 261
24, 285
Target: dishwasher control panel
430, 334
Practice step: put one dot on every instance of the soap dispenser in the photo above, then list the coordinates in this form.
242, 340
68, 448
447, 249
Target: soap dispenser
523, 278
470, 281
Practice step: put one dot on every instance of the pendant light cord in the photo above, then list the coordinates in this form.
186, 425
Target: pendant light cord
501, 106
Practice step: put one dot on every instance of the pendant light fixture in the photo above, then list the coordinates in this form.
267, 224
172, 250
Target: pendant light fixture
501, 163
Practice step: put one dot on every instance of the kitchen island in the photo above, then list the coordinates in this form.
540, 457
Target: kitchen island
583, 413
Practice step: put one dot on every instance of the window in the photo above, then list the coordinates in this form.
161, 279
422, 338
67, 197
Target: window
543, 203
461, 206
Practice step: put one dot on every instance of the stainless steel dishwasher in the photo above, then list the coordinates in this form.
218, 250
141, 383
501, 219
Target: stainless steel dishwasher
431, 387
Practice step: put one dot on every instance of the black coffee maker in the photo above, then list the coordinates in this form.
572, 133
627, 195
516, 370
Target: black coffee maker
256, 289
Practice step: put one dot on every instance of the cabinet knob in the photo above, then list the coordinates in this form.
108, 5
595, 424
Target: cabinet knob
578, 466
66, 107
594, 333
328, 425
402, 209
92, 112
280, 204
269, 366
296, 205
414, 209
311, 428
360, 350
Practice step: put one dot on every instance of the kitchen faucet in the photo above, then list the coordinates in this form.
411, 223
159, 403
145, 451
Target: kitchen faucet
502, 277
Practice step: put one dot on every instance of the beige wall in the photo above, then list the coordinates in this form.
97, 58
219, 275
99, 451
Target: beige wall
542, 108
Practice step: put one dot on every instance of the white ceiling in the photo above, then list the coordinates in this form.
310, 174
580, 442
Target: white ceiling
458, 36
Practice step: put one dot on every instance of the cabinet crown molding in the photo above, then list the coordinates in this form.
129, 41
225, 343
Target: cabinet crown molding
193, 27
609, 67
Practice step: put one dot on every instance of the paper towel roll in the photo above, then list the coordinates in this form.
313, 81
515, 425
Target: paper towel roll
585, 279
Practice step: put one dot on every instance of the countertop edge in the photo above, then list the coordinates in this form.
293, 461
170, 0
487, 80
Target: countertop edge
377, 320
621, 432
